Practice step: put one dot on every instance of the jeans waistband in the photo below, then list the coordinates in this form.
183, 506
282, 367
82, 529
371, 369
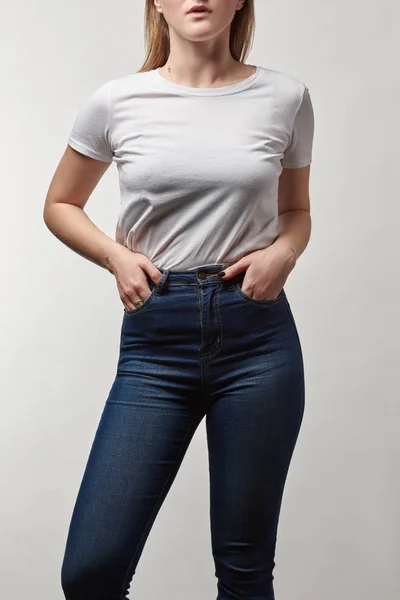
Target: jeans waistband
203, 276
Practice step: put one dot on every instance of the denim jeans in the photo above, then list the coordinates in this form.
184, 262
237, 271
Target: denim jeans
198, 347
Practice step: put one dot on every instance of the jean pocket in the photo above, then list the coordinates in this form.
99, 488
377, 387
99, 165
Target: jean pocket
146, 302
237, 287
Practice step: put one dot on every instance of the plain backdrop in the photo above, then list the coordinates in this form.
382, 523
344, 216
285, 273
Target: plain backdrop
61, 314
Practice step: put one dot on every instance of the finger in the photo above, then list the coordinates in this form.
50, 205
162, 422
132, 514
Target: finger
139, 295
233, 270
136, 301
151, 270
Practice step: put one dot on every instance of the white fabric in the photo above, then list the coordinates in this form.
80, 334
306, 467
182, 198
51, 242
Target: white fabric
198, 167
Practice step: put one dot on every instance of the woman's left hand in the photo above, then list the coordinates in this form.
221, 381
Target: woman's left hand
266, 271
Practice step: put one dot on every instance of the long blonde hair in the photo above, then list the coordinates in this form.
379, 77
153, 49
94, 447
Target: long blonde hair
157, 35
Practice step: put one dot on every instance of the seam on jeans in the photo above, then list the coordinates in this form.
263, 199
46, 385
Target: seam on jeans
175, 284
157, 505
218, 318
198, 296
289, 311
300, 419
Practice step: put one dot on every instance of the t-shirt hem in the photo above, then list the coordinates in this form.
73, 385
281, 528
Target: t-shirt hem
297, 165
88, 151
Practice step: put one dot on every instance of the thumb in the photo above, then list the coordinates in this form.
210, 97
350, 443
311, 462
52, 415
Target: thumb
152, 271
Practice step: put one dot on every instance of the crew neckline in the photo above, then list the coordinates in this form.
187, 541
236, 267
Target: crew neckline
206, 91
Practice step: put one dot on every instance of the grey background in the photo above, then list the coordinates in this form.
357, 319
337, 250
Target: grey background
60, 319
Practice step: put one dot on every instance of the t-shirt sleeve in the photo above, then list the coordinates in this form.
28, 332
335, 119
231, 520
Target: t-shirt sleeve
299, 150
90, 133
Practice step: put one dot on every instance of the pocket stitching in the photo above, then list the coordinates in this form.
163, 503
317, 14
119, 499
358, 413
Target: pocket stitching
241, 294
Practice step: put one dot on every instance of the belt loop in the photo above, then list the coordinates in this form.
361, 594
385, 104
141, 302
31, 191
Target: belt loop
160, 285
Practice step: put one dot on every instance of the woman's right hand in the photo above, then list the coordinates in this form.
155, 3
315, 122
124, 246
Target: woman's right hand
130, 270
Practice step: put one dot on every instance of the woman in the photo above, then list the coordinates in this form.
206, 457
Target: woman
209, 150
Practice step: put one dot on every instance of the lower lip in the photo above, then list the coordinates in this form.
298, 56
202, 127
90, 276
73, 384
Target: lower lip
199, 13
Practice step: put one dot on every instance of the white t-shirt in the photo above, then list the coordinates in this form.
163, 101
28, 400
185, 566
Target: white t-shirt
198, 167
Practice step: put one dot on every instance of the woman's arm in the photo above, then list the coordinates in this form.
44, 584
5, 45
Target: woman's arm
294, 220
73, 182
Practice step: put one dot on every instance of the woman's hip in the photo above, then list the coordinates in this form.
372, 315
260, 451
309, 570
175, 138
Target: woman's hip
193, 321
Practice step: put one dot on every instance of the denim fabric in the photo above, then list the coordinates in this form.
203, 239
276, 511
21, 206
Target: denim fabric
198, 347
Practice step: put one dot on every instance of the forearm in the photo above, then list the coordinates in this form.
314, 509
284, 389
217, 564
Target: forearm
72, 226
294, 232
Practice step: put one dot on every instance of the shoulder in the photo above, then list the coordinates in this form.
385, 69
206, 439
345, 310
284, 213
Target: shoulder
288, 89
136, 81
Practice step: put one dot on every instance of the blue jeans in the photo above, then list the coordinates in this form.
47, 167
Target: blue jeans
198, 347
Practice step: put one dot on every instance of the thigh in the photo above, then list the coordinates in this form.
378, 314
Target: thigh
139, 444
256, 408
